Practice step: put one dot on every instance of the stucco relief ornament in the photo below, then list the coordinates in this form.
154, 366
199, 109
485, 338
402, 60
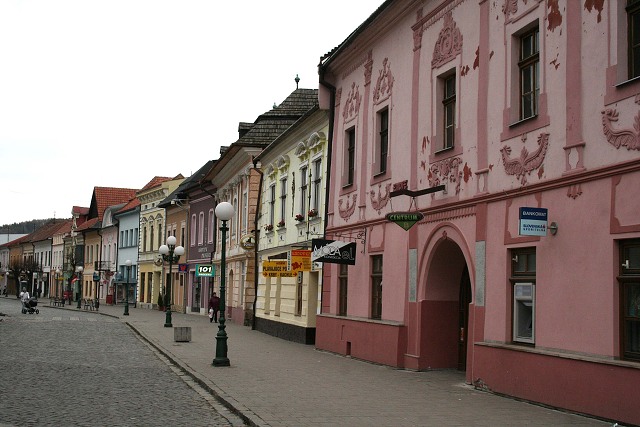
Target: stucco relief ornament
629, 138
447, 170
349, 209
384, 84
509, 7
379, 201
449, 43
526, 163
352, 105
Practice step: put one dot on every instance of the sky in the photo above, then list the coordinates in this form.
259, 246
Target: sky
111, 93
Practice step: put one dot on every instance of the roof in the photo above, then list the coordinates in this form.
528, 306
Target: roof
155, 181
269, 126
47, 230
131, 205
103, 197
189, 183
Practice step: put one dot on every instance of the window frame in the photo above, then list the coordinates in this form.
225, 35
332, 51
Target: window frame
343, 289
448, 112
632, 11
629, 277
316, 184
350, 157
376, 286
519, 279
283, 198
272, 203
531, 64
304, 188
382, 144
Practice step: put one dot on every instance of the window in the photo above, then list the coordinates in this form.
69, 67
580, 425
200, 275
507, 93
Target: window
523, 279
317, 180
303, 190
210, 227
376, 287
272, 204
350, 156
151, 234
283, 199
629, 281
194, 228
245, 211
343, 283
633, 27
449, 111
144, 239
200, 228
182, 233
299, 280
383, 140
529, 64
160, 234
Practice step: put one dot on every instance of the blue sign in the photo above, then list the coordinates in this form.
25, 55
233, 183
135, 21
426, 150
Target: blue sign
533, 221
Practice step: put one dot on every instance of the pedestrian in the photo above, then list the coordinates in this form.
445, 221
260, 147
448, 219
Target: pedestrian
24, 295
214, 307
39, 292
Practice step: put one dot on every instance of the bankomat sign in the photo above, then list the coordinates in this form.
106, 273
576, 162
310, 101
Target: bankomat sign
333, 251
533, 221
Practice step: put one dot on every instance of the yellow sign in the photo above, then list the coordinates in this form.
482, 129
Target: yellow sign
276, 269
300, 260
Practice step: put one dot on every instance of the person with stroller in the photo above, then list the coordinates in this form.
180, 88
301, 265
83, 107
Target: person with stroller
24, 295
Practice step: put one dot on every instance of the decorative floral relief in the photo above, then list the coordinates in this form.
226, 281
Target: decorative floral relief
629, 138
526, 163
352, 105
348, 210
574, 191
509, 7
384, 84
449, 43
379, 201
368, 69
447, 170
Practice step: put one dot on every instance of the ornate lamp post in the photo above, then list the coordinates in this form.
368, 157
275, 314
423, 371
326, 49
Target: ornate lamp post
126, 288
170, 252
224, 211
79, 270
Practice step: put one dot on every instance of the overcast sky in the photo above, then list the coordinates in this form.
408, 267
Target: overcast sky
114, 92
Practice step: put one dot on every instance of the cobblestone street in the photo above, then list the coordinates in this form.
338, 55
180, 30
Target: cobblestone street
62, 367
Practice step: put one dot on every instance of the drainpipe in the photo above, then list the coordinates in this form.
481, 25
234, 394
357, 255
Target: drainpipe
332, 101
256, 230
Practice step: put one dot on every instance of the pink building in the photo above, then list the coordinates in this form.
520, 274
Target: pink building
467, 112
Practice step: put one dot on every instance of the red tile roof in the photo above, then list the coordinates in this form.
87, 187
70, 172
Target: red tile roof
103, 197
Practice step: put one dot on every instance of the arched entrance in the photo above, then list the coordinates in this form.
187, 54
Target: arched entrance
444, 308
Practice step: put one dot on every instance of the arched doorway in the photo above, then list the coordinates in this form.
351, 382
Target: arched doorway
445, 308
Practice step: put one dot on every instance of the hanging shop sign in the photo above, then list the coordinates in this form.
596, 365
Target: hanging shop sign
248, 242
533, 221
405, 220
299, 260
333, 251
205, 270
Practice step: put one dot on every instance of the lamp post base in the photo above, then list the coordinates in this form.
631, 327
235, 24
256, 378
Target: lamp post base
167, 319
221, 350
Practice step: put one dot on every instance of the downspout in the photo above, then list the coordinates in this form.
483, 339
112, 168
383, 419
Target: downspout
332, 101
256, 230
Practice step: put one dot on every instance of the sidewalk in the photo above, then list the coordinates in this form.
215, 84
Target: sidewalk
273, 382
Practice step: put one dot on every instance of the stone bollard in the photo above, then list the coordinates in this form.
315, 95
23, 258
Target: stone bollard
182, 333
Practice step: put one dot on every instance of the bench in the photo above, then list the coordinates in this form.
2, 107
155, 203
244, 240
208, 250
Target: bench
56, 301
88, 304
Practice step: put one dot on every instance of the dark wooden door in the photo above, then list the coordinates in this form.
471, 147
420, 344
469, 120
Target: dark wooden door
463, 318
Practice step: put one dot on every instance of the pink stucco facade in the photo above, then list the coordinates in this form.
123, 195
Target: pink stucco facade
449, 286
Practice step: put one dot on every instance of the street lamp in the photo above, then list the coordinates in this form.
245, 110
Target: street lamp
126, 287
224, 211
79, 270
170, 252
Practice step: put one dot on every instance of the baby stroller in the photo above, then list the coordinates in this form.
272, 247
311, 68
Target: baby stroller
30, 305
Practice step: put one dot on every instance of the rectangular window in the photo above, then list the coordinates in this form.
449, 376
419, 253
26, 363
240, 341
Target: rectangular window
633, 25
317, 181
245, 211
194, 228
629, 281
529, 65
144, 239
210, 227
350, 156
449, 111
376, 287
343, 283
383, 140
303, 190
523, 277
200, 228
151, 236
272, 205
283, 199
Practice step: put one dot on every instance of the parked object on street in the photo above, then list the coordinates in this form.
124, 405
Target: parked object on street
29, 306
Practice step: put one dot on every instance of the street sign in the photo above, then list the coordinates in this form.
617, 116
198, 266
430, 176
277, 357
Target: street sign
205, 270
405, 220
278, 268
533, 221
